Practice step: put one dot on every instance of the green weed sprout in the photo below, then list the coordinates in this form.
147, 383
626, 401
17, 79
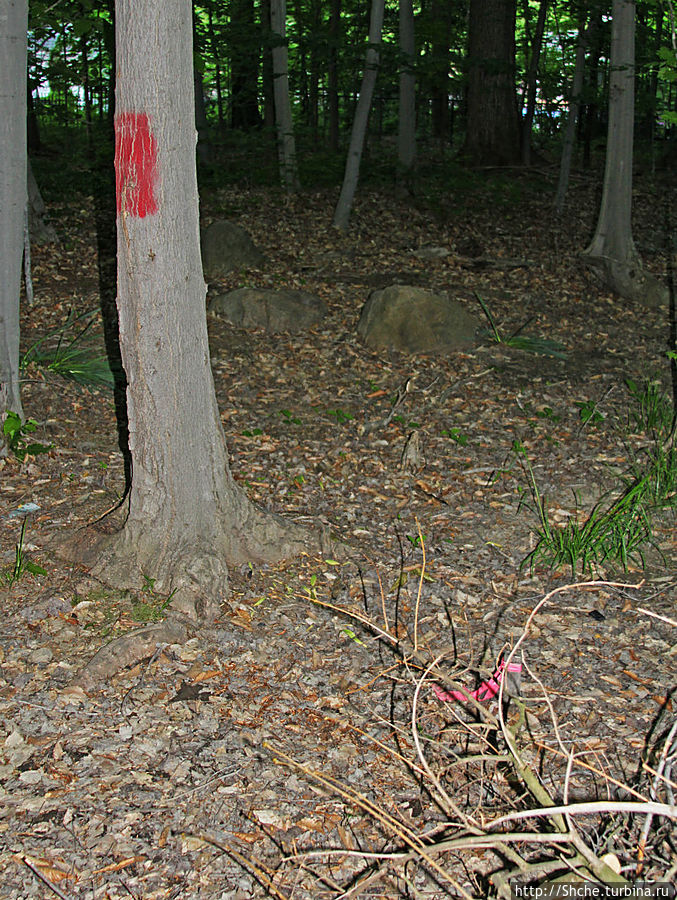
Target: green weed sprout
528, 343
70, 357
16, 432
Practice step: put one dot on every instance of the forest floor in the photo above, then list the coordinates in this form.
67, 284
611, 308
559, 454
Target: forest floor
217, 768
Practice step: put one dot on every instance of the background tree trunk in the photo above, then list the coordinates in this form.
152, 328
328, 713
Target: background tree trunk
13, 180
332, 73
440, 13
493, 126
244, 66
532, 81
352, 172
612, 254
187, 519
406, 133
572, 119
284, 124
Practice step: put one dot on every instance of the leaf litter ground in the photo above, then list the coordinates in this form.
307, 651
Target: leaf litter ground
166, 780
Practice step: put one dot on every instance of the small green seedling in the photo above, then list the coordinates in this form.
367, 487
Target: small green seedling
72, 357
16, 432
526, 342
340, 415
22, 564
290, 417
588, 412
456, 436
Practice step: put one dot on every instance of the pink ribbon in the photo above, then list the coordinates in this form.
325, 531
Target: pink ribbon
485, 691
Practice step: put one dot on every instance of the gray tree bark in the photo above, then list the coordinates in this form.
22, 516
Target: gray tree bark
532, 79
572, 119
13, 31
406, 132
493, 127
187, 519
612, 255
286, 144
352, 171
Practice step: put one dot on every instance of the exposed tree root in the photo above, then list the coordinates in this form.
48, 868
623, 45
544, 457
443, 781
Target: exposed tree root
628, 279
192, 569
129, 649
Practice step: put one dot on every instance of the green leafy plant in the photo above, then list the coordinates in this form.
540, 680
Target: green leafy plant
456, 436
526, 342
16, 431
151, 607
616, 532
652, 412
22, 564
65, 351
340, 415
588, 412
290, 417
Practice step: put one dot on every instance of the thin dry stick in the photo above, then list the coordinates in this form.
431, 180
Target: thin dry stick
591, 808
667, 746
420, 586
398, 828
257, 868
593, 769
448, 802
38, 874
647, 612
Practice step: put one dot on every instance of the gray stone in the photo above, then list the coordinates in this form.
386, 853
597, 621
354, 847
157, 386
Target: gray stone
227, 247
412, 319
284, 310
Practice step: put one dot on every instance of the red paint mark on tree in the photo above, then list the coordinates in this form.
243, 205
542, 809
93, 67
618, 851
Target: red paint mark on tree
135, 165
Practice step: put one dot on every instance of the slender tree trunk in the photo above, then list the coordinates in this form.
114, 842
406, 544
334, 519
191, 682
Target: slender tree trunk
332, 73
244, 66
590, 117
268, 89
187, 519
493, 126
612, 255
532, 80
441, 38
214, 47
40, 231
352, 172
572, 119
283, 117
406, 133
13, 87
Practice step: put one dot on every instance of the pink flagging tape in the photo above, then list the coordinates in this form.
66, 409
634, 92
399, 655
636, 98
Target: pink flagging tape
485, 691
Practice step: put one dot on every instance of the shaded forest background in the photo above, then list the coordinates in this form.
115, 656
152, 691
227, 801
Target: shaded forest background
526, 71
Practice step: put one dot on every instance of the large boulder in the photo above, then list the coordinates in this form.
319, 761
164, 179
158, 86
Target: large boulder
227, 247
284, 310
401, 317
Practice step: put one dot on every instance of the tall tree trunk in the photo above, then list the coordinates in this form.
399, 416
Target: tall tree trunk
532, 79
332, 73
13, 87
352, 172
612, 255
267, 87
214, 48
589, 123
441, 38
244, 66
406, 132
572, 119
187, 519
286, 144
493, 126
